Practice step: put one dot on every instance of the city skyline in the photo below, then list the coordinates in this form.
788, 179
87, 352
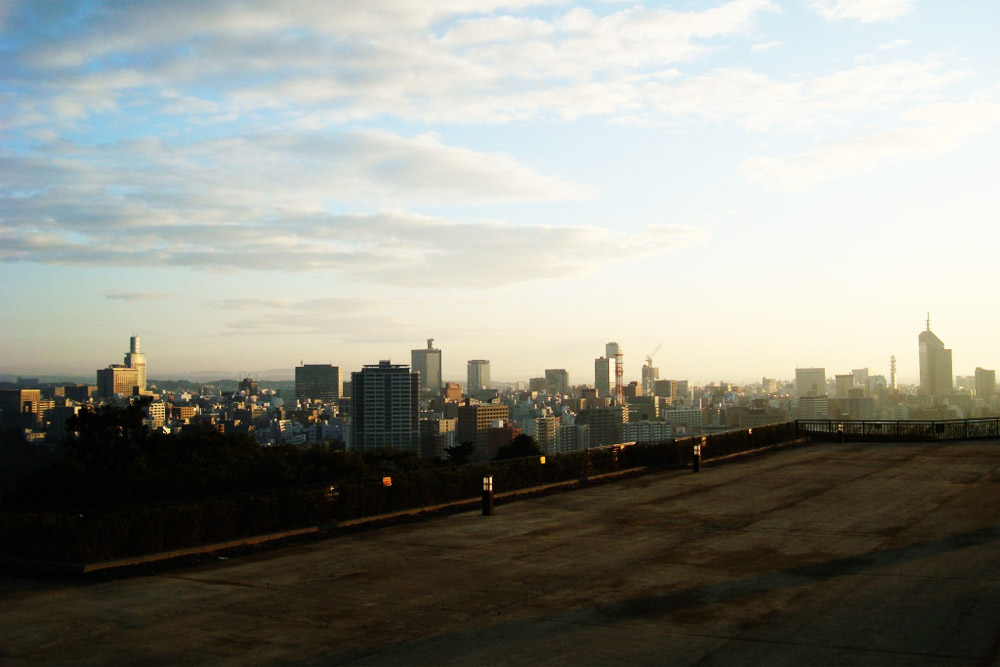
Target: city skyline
758, 185
595, 379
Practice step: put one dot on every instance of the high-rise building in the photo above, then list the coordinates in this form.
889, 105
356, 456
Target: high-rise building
935, 364
384, 407
862, 380
986, 383
436, 435
605, 424
137, 360
613, 352
474, 423
249, 386
452, 391
810, 382
604, 376
556, 381
125, 379
20, 407
650, 374
427, 363
543, 429
117, 379
317, 382
843, 385
813, 407
666, 389
478, 371
646, 431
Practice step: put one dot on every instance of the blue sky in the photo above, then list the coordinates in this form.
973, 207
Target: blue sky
756, 184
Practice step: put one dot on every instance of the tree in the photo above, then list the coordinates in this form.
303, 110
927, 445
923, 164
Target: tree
460, 454
521, 446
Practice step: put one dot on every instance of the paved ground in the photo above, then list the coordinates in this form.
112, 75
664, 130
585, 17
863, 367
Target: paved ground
828, 554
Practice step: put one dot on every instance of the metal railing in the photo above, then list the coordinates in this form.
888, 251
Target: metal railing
899, 430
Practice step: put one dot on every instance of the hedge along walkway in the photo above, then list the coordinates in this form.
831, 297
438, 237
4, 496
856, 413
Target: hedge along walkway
329, 529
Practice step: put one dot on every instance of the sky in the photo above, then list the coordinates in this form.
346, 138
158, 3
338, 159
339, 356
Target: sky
758, 185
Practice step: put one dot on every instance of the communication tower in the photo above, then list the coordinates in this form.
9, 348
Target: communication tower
892, 370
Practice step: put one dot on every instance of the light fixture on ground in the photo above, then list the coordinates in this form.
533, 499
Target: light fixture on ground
487, 495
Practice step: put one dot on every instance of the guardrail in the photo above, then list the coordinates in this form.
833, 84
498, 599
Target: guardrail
898, 430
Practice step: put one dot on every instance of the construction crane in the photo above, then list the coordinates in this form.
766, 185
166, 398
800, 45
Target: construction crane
649, 357
648, 379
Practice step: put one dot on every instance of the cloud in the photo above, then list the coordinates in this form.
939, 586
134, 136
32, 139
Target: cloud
314, 63
135, 180
333, 317
765, 46
761, 103
866, 11
394, 249
137, 296
351, 304
931, 129
267, 202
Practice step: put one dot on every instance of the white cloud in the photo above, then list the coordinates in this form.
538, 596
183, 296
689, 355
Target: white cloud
866, 11
766, 46
932, 129
314, 62
395, 249
265, 202
761, 103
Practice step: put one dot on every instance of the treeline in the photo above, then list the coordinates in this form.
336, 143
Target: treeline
111, 459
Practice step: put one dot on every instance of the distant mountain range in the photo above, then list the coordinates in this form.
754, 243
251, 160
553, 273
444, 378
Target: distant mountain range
201, 377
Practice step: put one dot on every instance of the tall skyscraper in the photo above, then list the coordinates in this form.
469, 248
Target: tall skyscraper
556, 381
935, 364
384, 407
137, 360
478, 375
427, 362
613, 352
650, 374
317, 382
604, 376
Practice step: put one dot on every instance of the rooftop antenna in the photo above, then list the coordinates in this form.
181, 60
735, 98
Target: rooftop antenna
928, 321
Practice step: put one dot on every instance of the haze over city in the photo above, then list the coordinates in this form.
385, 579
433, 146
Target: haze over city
758, 185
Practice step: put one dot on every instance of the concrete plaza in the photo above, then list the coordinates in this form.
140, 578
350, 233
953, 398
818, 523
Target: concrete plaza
824, 554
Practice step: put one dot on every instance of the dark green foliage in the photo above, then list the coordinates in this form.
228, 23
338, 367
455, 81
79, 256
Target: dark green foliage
522, 445
118, 490
460, 454
112, 460
20, 458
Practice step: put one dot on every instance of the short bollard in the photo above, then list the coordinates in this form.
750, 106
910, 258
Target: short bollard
697, 458
488, 495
